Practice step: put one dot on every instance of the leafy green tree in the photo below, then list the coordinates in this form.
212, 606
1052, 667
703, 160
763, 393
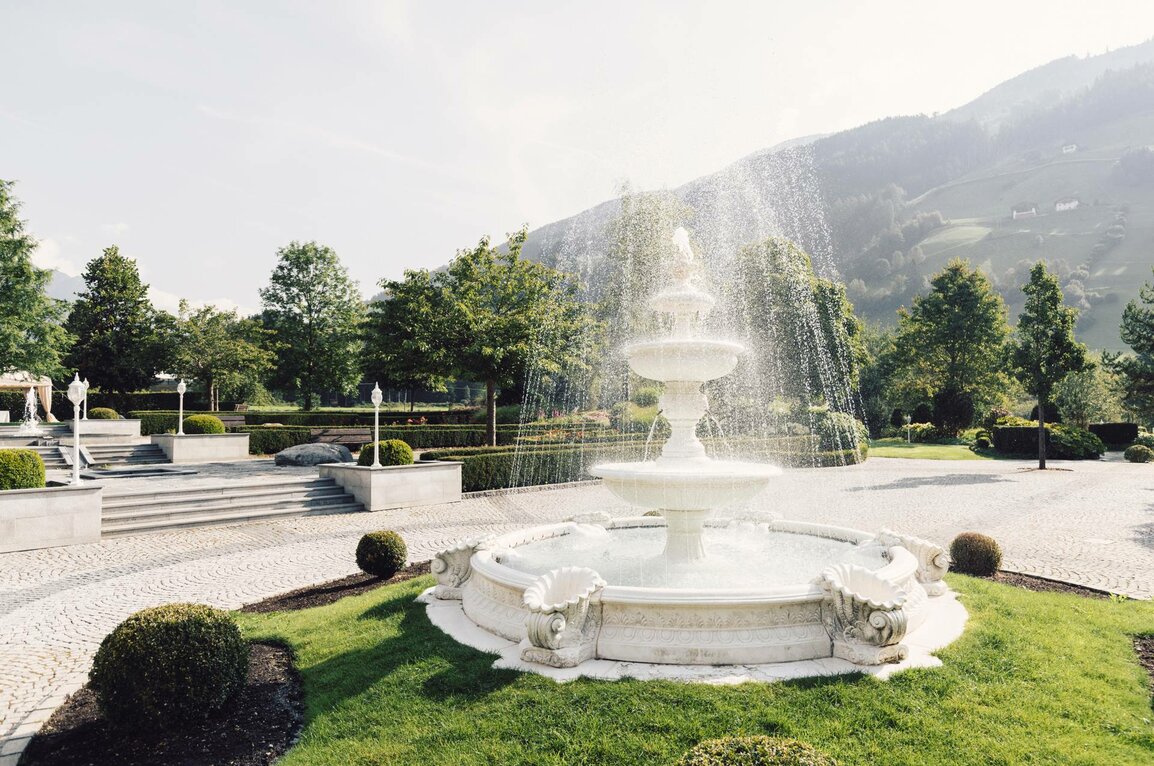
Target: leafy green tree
1089, 396
32, 336
315, 310
804, 334
219, 350
1137, 369
121, 339
1044, 350
506, 315
949, 345
405, 334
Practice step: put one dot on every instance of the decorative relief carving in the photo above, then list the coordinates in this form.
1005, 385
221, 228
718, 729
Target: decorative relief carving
564, 616
864, 615
452, 567
933, 561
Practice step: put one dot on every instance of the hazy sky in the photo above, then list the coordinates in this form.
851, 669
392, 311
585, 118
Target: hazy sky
201, 136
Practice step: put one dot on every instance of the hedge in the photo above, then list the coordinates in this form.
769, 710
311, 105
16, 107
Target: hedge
1062, 442
263, 440
1115, 434
364, 418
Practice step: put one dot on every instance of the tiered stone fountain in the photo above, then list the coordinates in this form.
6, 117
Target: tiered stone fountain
681, 588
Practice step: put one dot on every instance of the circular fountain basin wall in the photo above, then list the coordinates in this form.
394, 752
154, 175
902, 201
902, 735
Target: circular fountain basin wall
762, 607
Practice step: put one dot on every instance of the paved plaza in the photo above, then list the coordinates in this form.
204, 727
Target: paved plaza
1088, 523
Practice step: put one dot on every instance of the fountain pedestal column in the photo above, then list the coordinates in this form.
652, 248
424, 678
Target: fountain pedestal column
683, 541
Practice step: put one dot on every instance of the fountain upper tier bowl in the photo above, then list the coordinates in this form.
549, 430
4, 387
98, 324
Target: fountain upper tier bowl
679, 359
685, 485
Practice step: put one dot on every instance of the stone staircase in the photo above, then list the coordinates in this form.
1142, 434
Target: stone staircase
144, 511
123, 454
55, 458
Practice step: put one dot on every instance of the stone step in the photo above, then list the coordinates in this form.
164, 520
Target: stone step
214, 492
125, 454
141, 513
189, 521
271, 495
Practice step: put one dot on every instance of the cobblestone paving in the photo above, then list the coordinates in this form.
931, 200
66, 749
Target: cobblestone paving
1088, 523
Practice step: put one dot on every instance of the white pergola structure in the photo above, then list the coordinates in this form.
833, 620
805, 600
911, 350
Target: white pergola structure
21, 381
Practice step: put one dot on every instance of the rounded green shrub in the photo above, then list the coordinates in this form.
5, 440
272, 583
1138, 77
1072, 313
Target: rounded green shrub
1139, 453
646, 397
983, 442
21, 469
381, 554
975, 554
168, 665
203, 424
755, 751
1145, 440
393, 452
103, 413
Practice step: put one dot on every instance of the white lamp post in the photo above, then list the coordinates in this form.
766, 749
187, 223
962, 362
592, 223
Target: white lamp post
377, 398
908, 418
85, 398
180, 389
77, 393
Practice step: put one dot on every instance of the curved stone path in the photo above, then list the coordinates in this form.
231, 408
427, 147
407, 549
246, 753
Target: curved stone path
1088, 523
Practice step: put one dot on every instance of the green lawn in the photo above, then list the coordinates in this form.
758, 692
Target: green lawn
899, 448
1036, 679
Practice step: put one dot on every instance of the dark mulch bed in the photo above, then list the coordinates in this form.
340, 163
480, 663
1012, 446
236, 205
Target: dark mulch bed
256, 729
1144, 648
334, 590
1042, 585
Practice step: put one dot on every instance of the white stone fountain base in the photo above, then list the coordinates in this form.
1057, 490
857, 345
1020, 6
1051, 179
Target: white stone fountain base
944, 623
851, 619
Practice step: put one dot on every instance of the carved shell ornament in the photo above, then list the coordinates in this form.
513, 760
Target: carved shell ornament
933, 561
559, 589
863, 606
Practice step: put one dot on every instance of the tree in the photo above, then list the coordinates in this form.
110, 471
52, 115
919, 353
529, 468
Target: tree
1044, 350
805, 337
1089, 396
1137, 369
220, 350
32, 337
315, 310
120, 338
950, 342
405, 334
507, 315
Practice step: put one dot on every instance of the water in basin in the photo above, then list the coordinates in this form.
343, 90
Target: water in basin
741, 557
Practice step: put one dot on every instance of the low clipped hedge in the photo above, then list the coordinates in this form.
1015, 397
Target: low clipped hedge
922, 433
1139, 453
168, 665
269, 440
755, 751
1062, 442
381, 554
103, 413
1115, 434
21, 469
392, 452
203, 424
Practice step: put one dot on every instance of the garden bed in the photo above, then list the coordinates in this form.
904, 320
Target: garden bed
255, 730
333, 590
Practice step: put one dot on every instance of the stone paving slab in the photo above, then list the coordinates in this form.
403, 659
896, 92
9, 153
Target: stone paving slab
1088, 523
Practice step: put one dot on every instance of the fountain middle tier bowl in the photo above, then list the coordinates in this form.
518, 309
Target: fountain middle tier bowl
683, 359
698, 485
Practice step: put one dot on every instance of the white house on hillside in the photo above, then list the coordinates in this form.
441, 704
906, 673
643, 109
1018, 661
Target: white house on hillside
1066, 203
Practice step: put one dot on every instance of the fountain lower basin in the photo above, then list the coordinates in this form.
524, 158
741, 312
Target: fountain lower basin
681, 622
696, 359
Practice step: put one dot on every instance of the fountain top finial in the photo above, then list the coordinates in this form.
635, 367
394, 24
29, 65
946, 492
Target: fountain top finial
683, 300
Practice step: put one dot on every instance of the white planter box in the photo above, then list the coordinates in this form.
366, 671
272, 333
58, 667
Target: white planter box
46, 518
202, 448
4, 416
398, 486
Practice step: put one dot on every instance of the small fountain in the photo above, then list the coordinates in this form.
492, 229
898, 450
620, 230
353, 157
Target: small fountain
30, 425
682, 588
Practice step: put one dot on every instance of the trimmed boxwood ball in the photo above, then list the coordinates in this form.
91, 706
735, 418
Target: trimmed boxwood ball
103, 413
1139, 453
755, 751
203, 424
381, 554
169, 665
975, 554
21, 469
393, 452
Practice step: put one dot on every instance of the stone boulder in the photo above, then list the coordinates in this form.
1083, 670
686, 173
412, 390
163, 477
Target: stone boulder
314, 454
